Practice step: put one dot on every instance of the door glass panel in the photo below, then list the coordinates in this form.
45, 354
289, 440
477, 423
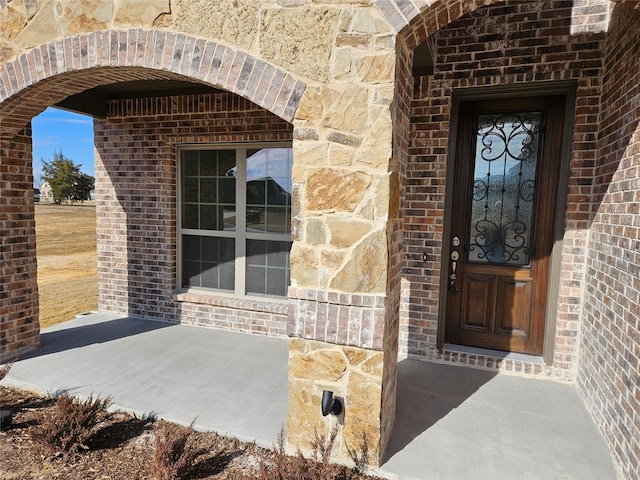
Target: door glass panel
503, 188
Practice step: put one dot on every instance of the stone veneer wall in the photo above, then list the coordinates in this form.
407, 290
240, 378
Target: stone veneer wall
136, 208
609, 373
342, 310
18, 281
511, 43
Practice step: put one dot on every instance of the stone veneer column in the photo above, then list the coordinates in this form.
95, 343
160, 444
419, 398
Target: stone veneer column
338, 344
343, 311
19, 327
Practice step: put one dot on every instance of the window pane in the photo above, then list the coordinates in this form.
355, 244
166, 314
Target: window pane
208, 262
227, 200
189, 216
210, 217
208, 163
190, 247
267, 267
269, 185
277, 219
226, 163
190, 189
208, 185
277, 281
256, 281
208, 190
227, 190
278, 254
190, 163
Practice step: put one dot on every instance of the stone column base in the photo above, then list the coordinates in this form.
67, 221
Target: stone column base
353, 374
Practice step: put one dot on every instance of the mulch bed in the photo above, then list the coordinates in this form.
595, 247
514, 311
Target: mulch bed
121, 447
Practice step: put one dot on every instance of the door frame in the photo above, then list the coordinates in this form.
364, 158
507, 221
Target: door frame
568, 90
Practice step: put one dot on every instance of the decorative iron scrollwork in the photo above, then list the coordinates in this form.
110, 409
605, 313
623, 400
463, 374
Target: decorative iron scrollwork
504, 188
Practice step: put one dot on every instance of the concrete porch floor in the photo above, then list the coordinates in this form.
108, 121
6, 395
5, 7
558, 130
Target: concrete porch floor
452, 423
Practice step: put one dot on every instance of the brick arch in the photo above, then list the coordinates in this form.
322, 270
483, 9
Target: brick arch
53, 71
417, 19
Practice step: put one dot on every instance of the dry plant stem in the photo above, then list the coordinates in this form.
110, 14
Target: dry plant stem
360, 456
68, 428
280, 466
122, 447
5, 369
174, 454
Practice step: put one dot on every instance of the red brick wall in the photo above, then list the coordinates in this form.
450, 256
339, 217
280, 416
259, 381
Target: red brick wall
19, 327
609, 374
510, 43
136, 207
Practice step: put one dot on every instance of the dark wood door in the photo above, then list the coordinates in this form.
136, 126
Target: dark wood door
507, 163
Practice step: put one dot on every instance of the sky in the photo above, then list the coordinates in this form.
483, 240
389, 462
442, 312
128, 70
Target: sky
58, 130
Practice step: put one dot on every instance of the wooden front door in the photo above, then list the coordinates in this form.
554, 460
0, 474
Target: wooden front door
507, 162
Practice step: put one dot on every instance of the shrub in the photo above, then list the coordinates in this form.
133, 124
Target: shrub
174, 454
5, 369
67, 429
283, 467
360, 456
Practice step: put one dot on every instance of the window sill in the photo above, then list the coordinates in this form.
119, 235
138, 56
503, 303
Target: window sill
216, 299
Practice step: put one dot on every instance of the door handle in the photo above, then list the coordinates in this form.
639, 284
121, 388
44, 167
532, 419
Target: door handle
453, 276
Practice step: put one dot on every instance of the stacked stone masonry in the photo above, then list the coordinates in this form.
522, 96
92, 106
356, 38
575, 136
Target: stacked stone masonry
354, 375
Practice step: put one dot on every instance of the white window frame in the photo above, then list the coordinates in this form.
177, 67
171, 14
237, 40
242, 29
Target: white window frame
240, 234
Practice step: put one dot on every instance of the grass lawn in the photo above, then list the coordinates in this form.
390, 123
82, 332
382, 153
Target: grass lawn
67, 261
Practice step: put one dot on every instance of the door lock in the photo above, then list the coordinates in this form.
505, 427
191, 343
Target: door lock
455, 256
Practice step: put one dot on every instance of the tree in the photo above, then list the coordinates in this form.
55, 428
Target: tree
82, 187
65, 178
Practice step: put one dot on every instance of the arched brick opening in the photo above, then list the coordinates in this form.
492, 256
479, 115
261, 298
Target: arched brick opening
51, 72
57, 70
487, 56
416, 20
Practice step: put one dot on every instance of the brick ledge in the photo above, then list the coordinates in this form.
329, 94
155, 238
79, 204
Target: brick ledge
215, 299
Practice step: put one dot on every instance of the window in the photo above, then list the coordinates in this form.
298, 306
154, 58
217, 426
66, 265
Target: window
235, 219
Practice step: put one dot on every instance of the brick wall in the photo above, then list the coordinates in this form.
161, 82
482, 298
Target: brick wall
510, 43
19, 327
609, 374
136, 209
